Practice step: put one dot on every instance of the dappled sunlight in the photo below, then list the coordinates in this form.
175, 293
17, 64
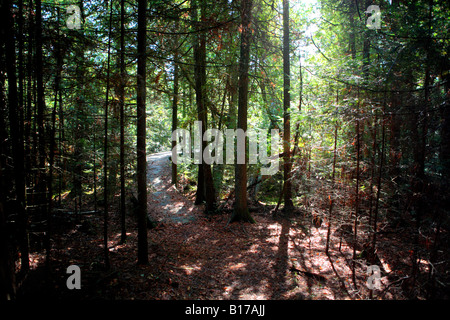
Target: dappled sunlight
190, 269
36, 260
311, 149
235, 266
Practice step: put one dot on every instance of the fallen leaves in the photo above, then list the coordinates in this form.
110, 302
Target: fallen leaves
193, 256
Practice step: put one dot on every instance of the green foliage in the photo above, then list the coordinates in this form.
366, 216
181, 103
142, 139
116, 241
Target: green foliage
331, 86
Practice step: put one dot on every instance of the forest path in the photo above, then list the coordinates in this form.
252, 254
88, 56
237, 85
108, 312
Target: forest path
166, 203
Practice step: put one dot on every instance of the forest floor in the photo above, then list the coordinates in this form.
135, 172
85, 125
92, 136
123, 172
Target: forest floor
197, 256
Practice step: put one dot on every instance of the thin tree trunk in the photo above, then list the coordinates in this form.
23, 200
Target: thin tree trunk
105, 152
241, 212
297, 129
123, 236
352, 40
355, 224
141, 134
372, 165
380, 175
16, 139
59, 63
29, 110
288, 205
41, 186
296, 138
7, 276
366, 48
7, 281
332, 186
79, 121
352, 49
175, 105
20, 62
372, 249
94, 169
62, 161
420, 183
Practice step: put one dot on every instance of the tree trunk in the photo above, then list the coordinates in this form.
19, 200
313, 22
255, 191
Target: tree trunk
288, 205
241, 212
141, 135
41, 185
7, 281
79, 121
199, 61
40, 89
444, 154
175, 105
419, 185
355, 224
380, 174
122, 122
295, 148
205, 185
28, 114
16, 139
21, 75
366, 49
59, 64
333, 186
351, 39
374, 132
105, 151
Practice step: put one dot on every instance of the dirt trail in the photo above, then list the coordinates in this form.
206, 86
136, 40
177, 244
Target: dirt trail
275, 258
166, 204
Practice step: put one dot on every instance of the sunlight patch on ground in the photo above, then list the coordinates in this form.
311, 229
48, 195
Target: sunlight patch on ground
190, 269
250, 294
236, 266
254, 248
236, 291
